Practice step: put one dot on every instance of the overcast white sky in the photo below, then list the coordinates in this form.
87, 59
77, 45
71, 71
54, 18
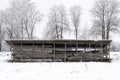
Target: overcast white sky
44, 5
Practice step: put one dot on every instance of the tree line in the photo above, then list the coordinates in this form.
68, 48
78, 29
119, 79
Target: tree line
19, 19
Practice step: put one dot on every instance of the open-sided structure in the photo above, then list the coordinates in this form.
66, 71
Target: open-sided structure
60, 50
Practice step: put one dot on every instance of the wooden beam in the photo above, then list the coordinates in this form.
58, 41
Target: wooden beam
21, 46
33, 47
109, 51
101, 51
85, 48
43, 51
76, 48
89, 50
54, 51
95, 47
65, 53
21, 50
11, 46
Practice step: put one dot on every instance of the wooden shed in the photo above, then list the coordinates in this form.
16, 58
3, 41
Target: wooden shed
60, 50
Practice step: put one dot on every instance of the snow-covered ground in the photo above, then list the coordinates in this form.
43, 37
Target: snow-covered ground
60, 71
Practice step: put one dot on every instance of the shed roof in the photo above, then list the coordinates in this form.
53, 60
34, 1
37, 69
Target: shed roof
64, 40
82, 43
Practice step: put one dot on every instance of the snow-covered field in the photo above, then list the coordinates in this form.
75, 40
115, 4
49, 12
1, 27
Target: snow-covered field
60, 71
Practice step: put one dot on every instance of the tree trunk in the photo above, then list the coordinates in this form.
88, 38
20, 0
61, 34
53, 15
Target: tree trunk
61, 33
76, 33
22, 30
103, 32
103, 26
57, 31
108, 31
0, 38
61, 26
26, 28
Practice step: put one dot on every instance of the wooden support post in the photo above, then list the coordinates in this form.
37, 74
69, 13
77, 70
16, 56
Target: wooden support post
76, 48
107, 54
109, 51
43, 50
84, 48
21, 51
89, 48
65, 53
10, 46
33, 48
21, 47
89, 51
101, 51
54, 51
12, 50
95, 47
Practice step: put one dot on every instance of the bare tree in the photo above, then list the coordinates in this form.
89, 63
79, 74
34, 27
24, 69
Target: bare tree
1, 28
11, 24
21, 18
57, 22
52, 31
75, 18
64, 24
106, 17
